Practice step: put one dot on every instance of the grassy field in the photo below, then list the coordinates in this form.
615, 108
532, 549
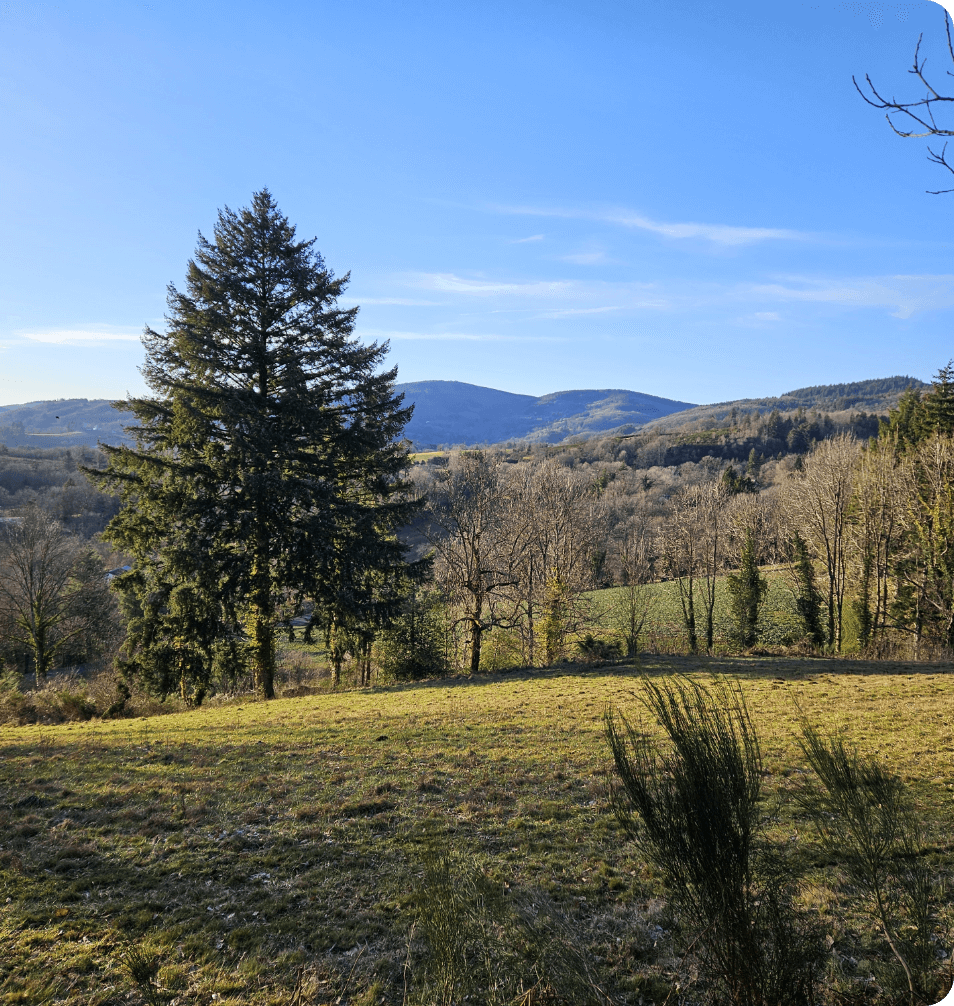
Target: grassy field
250, 847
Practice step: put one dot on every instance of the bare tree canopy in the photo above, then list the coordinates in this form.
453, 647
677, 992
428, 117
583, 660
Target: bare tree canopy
919, 115
54, 598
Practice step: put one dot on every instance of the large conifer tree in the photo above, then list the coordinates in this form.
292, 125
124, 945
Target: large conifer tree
271, 439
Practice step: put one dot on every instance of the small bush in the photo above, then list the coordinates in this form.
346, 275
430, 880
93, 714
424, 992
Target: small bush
592, 650
75, 705
866, 819
412, 647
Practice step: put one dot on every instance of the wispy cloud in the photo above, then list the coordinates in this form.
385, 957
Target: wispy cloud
572, 312
722, 234
448, 282
80, 336
718, 233
524, 241
585, 258
903, 296
395, 301
558, 297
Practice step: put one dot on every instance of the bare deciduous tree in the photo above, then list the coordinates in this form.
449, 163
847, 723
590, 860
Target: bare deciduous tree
54, 597
817, 502
874, 531
633, 561
557, 531
468, 510
691, 552
924, 562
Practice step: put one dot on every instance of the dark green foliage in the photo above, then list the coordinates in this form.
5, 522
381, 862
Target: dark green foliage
412, 646
734, 483
808, 598
267, 461
694, 812
919, 434
861, 603
774, 426
747, 590
921, 414
180, 637
754, 464
867, 820
598, 649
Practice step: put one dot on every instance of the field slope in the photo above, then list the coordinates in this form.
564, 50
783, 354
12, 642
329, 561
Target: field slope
242, 843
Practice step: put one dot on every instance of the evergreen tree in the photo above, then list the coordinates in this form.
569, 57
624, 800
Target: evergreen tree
861, 602
747, 590
808, 598
906, 422
754, 464
938, 403
413, 644
733, 483
270, 444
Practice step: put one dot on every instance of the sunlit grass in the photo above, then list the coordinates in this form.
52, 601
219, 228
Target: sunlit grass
242, 841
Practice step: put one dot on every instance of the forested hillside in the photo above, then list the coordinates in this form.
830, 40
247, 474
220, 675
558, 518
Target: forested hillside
877, 395
453, 413
52, 480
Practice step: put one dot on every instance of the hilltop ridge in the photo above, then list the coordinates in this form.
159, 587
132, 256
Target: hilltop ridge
877, 395
453, 412
449, 413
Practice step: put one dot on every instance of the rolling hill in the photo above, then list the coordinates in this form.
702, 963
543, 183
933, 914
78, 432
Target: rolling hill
63, 422
451, 412
878, 395
448, 413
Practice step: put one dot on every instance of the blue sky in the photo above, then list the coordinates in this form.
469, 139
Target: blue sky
684, 199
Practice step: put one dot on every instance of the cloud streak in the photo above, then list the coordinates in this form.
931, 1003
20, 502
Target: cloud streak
721, 234
902, 296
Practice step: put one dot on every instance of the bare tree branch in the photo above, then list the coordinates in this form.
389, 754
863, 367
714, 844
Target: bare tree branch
921, 113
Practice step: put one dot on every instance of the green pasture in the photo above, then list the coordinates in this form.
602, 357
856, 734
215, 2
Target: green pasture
664, 630
778, 618
246, 846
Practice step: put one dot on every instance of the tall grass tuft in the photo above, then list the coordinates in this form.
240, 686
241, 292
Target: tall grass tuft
475, 942
694, 810
866, 820
142, 966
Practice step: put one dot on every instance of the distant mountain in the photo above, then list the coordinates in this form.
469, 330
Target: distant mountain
879, 396
451, 412
65, 422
